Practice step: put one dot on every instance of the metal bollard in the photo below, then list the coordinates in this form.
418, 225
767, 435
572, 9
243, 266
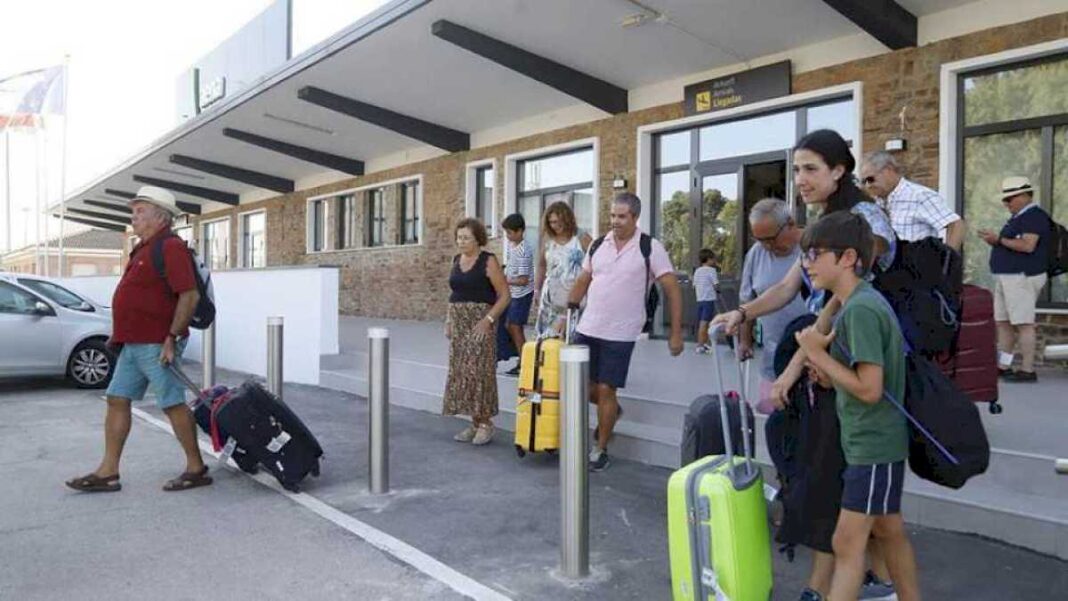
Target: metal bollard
378, 406
274, 355
574, 440
207, 356
1061, 466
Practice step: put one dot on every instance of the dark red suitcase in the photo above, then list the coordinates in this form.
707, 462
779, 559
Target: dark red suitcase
972, 363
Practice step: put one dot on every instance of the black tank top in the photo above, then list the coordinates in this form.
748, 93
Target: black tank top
472, 286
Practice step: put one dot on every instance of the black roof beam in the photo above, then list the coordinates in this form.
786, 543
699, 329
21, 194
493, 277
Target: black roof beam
99, 215
333, 161
119, 193
206, 193
885, 20
97, 224
591, 90
247, 176
109, 205
424, 131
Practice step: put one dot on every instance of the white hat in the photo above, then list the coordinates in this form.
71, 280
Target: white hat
1015, 184
157, 197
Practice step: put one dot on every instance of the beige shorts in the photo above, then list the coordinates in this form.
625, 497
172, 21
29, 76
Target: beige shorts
1015, 296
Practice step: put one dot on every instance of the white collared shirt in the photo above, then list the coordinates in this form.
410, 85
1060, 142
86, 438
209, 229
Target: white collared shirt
917, 212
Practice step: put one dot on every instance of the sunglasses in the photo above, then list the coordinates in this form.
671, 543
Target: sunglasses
771, 238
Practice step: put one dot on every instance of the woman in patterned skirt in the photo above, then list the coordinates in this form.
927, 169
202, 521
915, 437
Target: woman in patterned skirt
559, 265
479, 298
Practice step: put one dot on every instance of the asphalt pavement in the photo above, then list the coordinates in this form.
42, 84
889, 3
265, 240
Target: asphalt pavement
480, 513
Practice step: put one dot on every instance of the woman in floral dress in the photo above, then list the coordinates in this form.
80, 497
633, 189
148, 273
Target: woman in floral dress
560, 262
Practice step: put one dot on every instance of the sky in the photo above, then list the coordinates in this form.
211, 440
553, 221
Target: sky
125, 57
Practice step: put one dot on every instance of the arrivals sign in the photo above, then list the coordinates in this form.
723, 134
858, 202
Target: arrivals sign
729, 91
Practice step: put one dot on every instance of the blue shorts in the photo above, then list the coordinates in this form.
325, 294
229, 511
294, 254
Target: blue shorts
519, 310
706, 310
138, 366
873, 489
609, 359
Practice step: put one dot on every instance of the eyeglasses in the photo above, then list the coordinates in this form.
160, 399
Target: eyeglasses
771, 238
811, 255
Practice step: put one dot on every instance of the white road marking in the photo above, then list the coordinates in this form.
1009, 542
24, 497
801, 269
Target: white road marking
426, 564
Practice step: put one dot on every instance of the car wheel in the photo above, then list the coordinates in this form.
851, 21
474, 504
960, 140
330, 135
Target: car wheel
91, 365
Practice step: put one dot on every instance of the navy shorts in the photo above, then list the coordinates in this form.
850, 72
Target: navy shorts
706, 310
519, 310
873, 489
609, 359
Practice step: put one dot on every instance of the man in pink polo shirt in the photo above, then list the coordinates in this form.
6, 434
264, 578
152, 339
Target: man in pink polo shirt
614, 280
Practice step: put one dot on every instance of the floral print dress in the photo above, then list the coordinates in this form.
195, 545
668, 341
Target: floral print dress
563, 264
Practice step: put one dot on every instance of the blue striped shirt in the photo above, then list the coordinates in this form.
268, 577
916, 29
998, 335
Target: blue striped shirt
519, 262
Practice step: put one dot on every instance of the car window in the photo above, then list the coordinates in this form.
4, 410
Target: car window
57, 293
13, 300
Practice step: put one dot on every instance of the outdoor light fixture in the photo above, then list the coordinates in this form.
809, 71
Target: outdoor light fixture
296, 123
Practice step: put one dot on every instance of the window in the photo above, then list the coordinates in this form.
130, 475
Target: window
483, 209
58, 294
376, 217
347, 222
410, 213
317, 225
254, 240
215, 240
13, 300
748, 136
185, 233
565, 177
1014, 122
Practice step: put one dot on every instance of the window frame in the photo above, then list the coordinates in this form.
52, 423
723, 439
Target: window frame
310, 226
405, 220
376, 224
357, 192
203, 243
473, 196
1046, 126
242, 258
513, 174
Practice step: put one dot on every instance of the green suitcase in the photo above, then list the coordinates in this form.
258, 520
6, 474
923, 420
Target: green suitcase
718, 533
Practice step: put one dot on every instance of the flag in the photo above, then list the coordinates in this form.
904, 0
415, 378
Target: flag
27, 96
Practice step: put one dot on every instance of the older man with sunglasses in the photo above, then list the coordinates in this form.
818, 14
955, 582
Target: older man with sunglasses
766, 264
916, 212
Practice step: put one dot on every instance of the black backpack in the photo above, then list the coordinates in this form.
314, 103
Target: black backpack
1058, 249
204, 314
652, 296
924, 286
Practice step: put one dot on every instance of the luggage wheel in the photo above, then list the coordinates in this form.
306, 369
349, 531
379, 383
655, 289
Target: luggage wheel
291, 488
995, 407
520, 452
551, 451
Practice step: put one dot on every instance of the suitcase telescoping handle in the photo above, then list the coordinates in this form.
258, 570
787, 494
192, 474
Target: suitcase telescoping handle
185, 379
713, 330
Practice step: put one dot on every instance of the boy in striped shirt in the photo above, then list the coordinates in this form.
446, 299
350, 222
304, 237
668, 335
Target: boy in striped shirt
519, 273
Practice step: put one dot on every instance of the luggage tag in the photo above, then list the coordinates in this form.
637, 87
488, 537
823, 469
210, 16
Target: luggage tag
227, 451
278, 442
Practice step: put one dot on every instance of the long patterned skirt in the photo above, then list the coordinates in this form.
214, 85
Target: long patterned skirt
472, 385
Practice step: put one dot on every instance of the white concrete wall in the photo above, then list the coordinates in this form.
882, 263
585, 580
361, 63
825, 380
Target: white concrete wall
307, 297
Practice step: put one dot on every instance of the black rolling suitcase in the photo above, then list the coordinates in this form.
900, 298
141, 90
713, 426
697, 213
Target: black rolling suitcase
268, 431
201, 406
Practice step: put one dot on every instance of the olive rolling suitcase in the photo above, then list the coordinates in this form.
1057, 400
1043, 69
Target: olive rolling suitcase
718, 535
537, 415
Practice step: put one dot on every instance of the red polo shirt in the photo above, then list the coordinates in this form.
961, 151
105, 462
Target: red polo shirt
143, 306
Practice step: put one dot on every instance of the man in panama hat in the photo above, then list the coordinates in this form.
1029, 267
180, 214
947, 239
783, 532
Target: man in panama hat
1018, 259
150, 318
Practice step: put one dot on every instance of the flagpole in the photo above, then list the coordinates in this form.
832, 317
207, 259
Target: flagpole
63, 163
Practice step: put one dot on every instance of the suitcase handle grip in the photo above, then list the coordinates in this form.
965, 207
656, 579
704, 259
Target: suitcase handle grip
743, 405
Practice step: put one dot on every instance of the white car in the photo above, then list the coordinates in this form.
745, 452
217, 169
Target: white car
48, 330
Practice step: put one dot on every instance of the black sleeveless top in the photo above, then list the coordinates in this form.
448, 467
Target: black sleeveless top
472, 286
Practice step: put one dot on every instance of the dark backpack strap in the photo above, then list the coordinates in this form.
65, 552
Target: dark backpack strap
593, 248
645, 243
158, 260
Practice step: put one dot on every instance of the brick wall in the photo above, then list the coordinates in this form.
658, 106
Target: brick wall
411, 282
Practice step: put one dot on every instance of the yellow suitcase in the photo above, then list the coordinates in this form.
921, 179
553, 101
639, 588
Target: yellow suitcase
537, 416
537, 419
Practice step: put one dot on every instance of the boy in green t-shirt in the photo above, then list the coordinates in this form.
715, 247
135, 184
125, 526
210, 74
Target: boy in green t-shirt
837, 251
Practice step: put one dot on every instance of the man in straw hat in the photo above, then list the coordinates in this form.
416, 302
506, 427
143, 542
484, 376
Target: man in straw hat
1018, 259
150, 319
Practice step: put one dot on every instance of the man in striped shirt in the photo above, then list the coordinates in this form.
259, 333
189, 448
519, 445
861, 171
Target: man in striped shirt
916, 212
519, 273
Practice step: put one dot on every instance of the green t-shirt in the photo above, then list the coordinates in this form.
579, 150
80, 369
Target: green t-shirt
871, 433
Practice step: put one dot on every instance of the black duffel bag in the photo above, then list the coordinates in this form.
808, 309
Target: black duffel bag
948, 443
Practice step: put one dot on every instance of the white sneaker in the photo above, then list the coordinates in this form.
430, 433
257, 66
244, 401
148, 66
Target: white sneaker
483, 435
465, 435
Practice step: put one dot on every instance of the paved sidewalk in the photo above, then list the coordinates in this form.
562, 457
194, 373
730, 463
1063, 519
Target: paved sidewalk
481, 511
